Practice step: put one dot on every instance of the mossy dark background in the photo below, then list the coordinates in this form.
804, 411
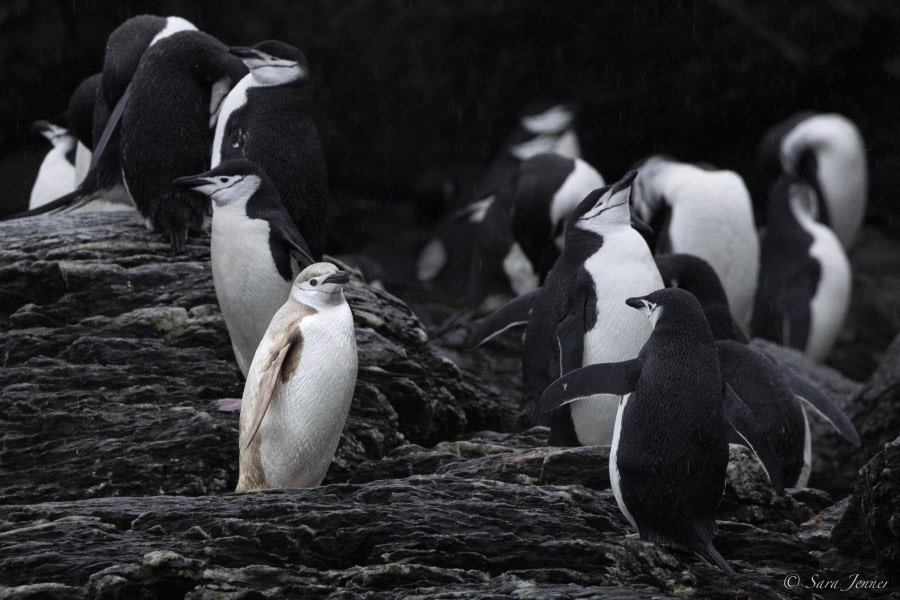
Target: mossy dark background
402, 86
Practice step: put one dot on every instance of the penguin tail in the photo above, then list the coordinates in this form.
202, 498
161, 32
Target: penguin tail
711, 556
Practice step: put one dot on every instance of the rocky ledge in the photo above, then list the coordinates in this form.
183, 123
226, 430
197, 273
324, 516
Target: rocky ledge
116, 471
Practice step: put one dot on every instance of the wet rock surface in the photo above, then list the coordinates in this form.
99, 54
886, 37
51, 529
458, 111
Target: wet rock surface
116, 471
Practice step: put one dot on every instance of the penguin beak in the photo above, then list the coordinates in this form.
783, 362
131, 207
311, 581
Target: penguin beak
635, 303
40, 127
624, 183
338, 277
193, 181
244, 53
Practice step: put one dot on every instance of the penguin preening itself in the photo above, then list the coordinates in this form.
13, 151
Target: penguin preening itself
670, 446
707, 213
56, 175
579, 317
268, 118
256, 251
771, 391
825, 150
300, 386
805, 278
166, 128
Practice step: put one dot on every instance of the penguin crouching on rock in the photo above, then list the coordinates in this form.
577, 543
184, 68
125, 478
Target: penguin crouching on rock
174, 96
670, 445
267, 118
256, 251
300, 386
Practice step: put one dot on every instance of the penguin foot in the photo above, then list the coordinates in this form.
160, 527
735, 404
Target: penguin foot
228, 404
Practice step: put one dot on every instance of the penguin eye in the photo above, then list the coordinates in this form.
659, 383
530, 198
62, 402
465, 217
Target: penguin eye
223, 179
313, 282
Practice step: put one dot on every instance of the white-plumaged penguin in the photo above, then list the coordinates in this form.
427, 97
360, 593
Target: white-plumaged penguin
771, 391
579, 316
670, 447
705, 213
300, 386
267, 118
256, 251
166, 128
825, 150
56, 175
805, 279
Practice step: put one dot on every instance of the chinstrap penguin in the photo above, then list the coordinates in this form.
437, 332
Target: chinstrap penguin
268, 118
300, 386
670, 446
256, 251
56, 175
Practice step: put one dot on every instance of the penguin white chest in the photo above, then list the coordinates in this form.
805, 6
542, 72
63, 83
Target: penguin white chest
829, 304
622, 268
235, 99
248, 286
614, 478
303, 426
55, 178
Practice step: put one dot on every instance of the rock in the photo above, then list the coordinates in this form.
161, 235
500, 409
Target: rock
871, 525
114, 351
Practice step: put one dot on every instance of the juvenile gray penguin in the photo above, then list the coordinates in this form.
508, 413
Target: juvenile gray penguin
255, 250
300, 386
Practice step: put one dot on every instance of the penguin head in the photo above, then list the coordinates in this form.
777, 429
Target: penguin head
273, 62
673, 309
645, 198
547, 118
231, 184
319, 285
52, 132
605, 207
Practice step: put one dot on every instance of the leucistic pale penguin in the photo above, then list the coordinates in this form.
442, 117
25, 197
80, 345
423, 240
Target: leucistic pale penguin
825, 150
102, 187
805, 279
521, 234
166, 128
256, 251
705, 213
579, 316
300, 386
56, 175
670, 446
771, 391
268, 118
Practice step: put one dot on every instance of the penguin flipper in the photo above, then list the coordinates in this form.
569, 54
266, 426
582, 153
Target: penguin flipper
514, 313
617, 378
111, 125
744, 422
268, 377
814, 397
710, 555
570, 331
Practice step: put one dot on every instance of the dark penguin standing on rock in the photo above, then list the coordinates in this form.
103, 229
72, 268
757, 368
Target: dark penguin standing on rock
773, 392
166, 128
256, 251
267, 118
670, 446
805, 279
102, 187
579, 316
80, 115
827, 152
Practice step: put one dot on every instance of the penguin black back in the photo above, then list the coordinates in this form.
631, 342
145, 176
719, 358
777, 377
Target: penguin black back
81, 110
165, 128
275, 128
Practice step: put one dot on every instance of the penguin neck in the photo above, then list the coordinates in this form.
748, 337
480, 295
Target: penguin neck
322, 302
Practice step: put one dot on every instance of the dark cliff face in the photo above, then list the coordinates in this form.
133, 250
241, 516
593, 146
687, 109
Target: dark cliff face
117, 471
402, 87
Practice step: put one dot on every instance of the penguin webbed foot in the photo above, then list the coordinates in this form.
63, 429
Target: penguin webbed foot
228, 404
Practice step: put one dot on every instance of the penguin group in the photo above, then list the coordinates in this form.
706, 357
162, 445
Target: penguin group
637, 298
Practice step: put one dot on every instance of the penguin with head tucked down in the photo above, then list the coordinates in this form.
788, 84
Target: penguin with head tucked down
579, 316
267, 118
826, 151
772, 391
256, 251
708, 214
166, 128
805, 279
56, 175
300, 386
670, 445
